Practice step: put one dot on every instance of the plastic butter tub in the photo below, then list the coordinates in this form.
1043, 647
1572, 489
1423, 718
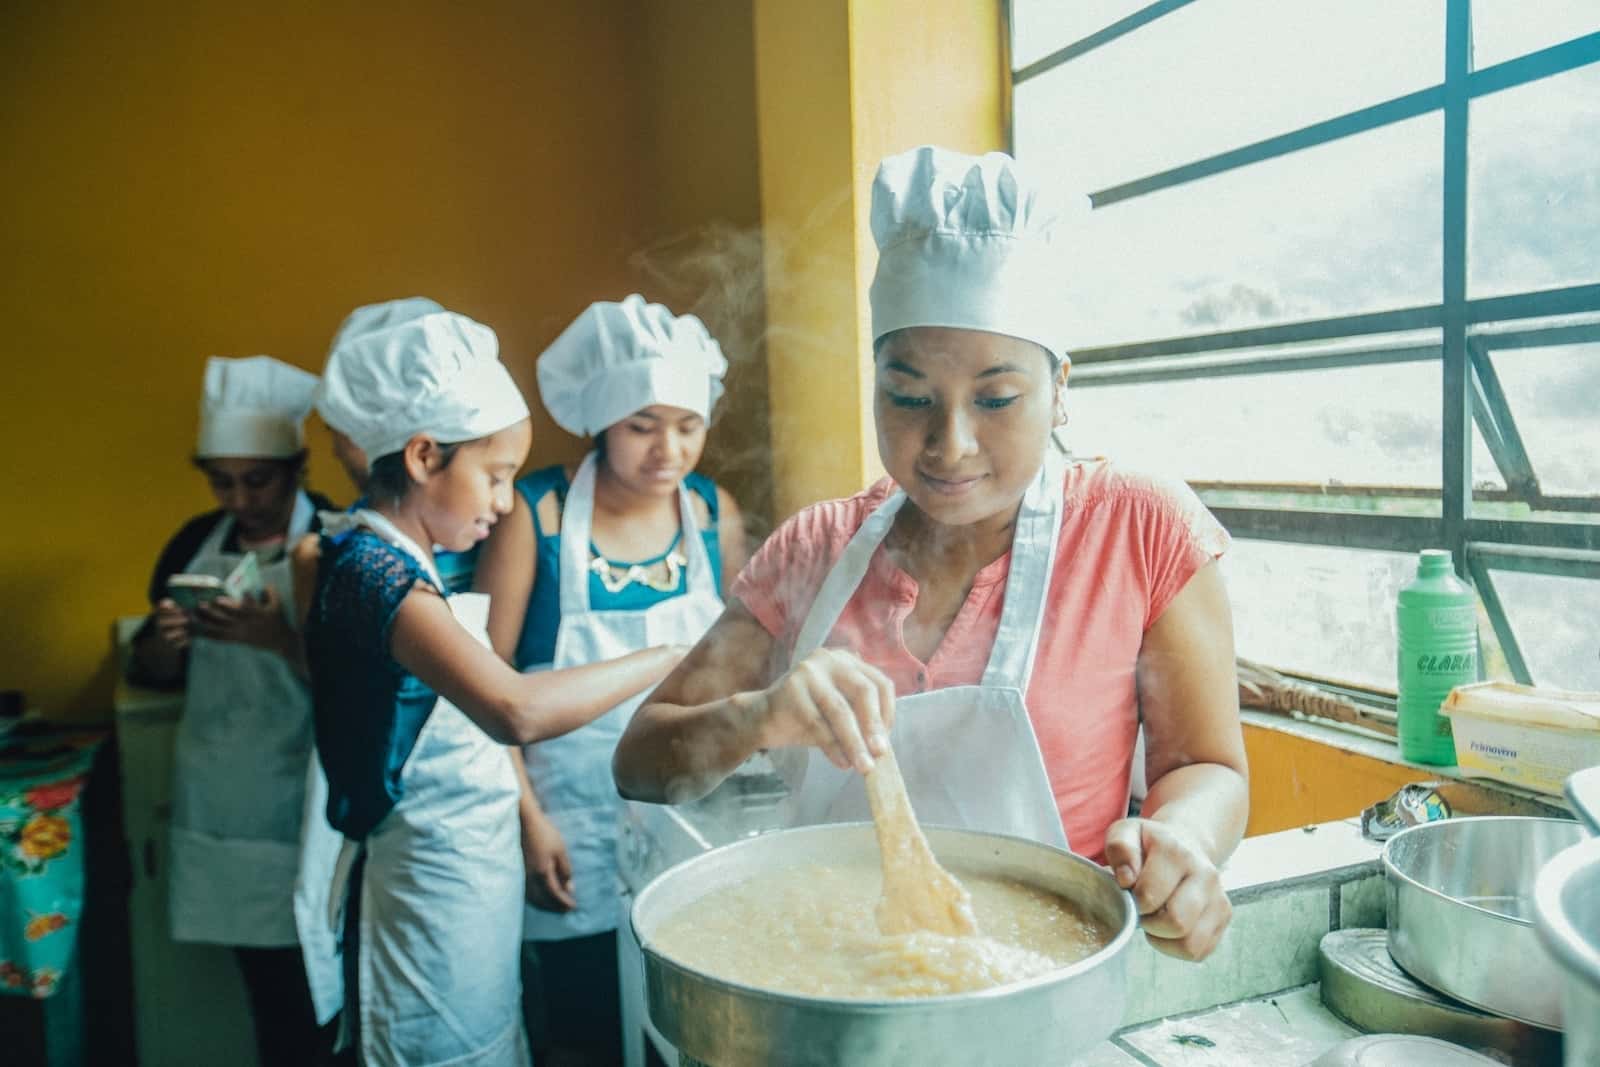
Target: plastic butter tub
1523, 735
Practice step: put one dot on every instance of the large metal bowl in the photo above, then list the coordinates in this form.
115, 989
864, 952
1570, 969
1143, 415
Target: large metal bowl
1048, 1019
1460, 895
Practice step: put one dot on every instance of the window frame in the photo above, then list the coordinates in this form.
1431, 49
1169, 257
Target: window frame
1464, 348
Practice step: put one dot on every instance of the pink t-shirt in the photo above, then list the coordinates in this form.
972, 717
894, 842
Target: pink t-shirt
1129, 543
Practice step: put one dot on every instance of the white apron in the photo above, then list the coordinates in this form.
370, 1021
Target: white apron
441, 896
968, 753
239, 774
319, 855
571, 774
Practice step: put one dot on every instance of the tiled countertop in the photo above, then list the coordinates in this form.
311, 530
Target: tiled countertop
1286, 1029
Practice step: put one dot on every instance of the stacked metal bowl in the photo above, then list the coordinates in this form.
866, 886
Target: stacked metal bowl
1503, 914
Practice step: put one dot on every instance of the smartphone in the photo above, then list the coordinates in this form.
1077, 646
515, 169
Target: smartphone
192, 590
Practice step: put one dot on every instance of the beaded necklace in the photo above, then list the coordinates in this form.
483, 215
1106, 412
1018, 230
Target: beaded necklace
616, 577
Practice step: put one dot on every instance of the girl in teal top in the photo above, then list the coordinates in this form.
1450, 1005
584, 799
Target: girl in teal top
546, 491
628, 550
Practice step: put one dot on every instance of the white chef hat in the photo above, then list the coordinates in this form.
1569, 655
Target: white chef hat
968, 242
253, 407
617, 358
439, 374
372, 317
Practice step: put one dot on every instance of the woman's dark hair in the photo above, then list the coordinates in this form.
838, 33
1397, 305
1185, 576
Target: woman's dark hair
388, 480
877, 347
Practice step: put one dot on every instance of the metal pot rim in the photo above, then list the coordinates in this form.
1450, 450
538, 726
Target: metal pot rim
1119, 941
1393, 871
1571, 946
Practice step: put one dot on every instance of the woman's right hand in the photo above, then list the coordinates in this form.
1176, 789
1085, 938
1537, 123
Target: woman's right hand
834, 701
171, 624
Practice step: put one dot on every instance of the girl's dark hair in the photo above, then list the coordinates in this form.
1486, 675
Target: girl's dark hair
388, 480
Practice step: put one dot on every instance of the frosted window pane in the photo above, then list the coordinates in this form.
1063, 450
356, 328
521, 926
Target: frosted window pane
1554, 396
1039, 27
1557, 624
1322, 611
1533, 186
1368, 425
1216, 75
1346, 227
1505, 29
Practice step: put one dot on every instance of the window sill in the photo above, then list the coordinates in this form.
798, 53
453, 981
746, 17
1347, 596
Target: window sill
1304, 771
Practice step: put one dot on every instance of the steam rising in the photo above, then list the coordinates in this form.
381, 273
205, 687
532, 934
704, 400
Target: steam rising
722, 273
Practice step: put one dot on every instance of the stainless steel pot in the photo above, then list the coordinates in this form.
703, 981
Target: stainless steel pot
1048, 1019
1567, 903
1460, 895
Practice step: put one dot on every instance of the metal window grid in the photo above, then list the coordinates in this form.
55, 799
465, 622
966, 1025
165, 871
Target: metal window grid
1459, 338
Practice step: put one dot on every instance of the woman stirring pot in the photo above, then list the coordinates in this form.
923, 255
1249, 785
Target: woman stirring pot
1006, 616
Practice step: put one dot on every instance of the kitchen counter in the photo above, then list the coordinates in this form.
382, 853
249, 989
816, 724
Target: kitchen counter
1285, 1029
1288, 1029
1256, 1001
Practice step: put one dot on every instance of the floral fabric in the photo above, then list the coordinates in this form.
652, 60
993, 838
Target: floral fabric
42, 774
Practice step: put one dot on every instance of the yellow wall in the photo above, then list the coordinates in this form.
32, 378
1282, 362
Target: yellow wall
188, 179
840, 86
197, 179
704, 252
804, 107
920, 73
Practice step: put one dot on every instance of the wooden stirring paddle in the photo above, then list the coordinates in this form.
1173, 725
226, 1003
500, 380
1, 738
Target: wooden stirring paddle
918, 894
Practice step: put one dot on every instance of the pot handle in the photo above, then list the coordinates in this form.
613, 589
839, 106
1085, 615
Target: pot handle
1583, 790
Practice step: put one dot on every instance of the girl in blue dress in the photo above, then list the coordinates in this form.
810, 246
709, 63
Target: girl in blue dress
413, 711
627, 551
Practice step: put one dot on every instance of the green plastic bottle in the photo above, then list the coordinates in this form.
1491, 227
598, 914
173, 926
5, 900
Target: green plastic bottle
1436, 619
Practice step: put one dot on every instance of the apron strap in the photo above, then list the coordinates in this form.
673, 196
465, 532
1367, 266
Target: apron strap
699, 579
845, 577
577, 516
1033, 556
1033, 550
212, 545
299, 520
344, 865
